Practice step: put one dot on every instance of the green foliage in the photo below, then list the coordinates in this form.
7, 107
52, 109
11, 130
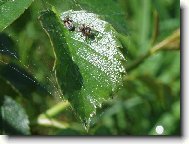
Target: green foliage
37, 74
10, 10
94, 68
108, 10
13, 118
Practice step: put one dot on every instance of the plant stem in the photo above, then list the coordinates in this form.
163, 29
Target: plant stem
172, 42
49, 122
58, 108
46, 119
163, 45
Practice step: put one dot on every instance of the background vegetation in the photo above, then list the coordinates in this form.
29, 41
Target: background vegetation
31, 102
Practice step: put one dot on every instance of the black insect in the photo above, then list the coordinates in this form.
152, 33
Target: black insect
86, 31
69, 24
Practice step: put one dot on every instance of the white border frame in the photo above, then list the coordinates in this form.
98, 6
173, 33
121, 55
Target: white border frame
135, 140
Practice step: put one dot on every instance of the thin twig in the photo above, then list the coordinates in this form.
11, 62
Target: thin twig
163, 45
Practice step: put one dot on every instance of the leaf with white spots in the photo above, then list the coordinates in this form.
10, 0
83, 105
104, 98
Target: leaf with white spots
88, 70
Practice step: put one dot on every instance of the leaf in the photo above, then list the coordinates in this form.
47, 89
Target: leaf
14, 120
21, 80
110, 10
10, 10
7, 46
88, 70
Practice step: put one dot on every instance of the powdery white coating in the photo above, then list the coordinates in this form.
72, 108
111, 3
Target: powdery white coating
94, 102
102, 52
106, 55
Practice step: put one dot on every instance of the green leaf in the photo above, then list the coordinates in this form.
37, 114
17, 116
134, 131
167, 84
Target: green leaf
88, 70
110, 10
14, 120
7, 46
21, 80
10, 10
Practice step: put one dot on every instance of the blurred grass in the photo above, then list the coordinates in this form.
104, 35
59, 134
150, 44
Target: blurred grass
151, 92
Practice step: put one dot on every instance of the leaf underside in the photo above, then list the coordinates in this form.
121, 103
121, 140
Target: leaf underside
88, 70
